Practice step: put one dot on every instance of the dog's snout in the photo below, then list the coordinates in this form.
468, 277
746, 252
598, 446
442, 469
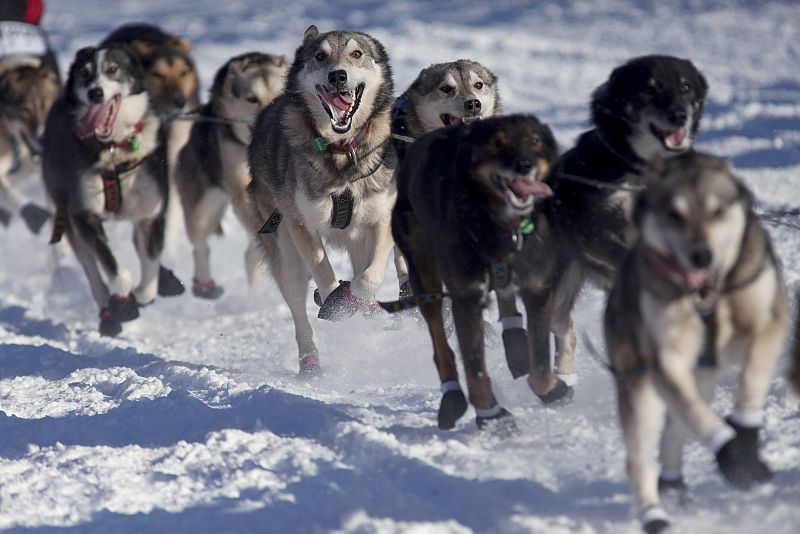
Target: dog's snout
95, 95
701, 256
523, 166
337, 78
472, 107
678, 116
179, 101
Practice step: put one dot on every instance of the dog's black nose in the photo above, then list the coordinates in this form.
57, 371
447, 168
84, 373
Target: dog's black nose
472, 107
179, 101
95, 95
678, 117
523, 166
337, 78
701, 256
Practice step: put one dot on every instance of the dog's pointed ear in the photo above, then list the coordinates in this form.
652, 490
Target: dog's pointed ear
279, 61
310, 34
182, 43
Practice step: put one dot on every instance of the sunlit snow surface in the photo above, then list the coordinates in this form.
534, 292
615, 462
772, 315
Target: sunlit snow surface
194, 419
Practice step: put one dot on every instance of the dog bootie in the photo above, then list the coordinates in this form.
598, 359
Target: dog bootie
34, 216
207, 290
168, 284
119, 310
560, 395
674, 489
309, 366
453, 405
654, 520
341, 304
515, 343
496, 420
737, 463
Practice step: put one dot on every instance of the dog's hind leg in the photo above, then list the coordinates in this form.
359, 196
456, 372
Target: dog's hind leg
401, 267
290, 273
515, 336
252, 256
640, 412
85, 257
567, 290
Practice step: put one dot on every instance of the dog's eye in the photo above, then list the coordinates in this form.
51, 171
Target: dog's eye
252, 99
446, 89
535, 141
112, 69
718, 213
685, 88
320, 56
157, 76
184, 74
85, 72
478, 85
357, 54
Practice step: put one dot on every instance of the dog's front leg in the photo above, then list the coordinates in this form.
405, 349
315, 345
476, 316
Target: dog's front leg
640, 413
311, 249
468, 317
148, 238
378, 244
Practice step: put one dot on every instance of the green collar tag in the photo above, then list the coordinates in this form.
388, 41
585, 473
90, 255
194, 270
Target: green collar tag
320, 144
134, 144
526, 226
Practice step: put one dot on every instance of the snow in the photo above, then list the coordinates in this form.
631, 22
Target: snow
194, 419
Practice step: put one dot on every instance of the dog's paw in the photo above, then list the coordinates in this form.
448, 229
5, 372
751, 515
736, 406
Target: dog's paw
500, 424
673, 489
168, 284
309, 367
739, 466
452, 407
123, 308
560, 395
207, 290
654, 520
34, 216
515, 343
341, 304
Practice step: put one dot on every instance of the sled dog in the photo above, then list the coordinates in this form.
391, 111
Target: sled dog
698, 292
104, 158
322, 166
463, 193
650, 106
212, 168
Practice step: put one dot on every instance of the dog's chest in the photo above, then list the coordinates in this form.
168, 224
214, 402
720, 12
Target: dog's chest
132, 195
366, 210
234, 160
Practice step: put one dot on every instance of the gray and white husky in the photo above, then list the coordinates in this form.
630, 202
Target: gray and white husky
212, 168
322, 167
700, 291
104, 158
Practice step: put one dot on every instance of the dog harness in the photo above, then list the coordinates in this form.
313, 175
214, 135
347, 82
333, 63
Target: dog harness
112, 188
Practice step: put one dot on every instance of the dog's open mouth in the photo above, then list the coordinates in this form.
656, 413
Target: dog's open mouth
99, 119
341, 106
448, 119
671, 139
520, 191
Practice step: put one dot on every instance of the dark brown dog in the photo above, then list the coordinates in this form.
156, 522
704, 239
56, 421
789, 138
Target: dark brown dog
462, 193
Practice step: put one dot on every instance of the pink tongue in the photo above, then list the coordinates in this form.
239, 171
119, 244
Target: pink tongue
676, 137
696, 279
341, 103
527, 187
95, 118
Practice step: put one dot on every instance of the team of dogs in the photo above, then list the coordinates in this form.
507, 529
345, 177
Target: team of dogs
317, 153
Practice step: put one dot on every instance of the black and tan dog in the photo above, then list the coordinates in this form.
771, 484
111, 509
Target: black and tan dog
462, 193
650, 106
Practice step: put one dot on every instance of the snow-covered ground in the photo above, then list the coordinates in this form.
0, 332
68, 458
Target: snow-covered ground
194, 419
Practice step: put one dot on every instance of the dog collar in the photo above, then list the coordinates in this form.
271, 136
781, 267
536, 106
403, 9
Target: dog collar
349, 148
131, 141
